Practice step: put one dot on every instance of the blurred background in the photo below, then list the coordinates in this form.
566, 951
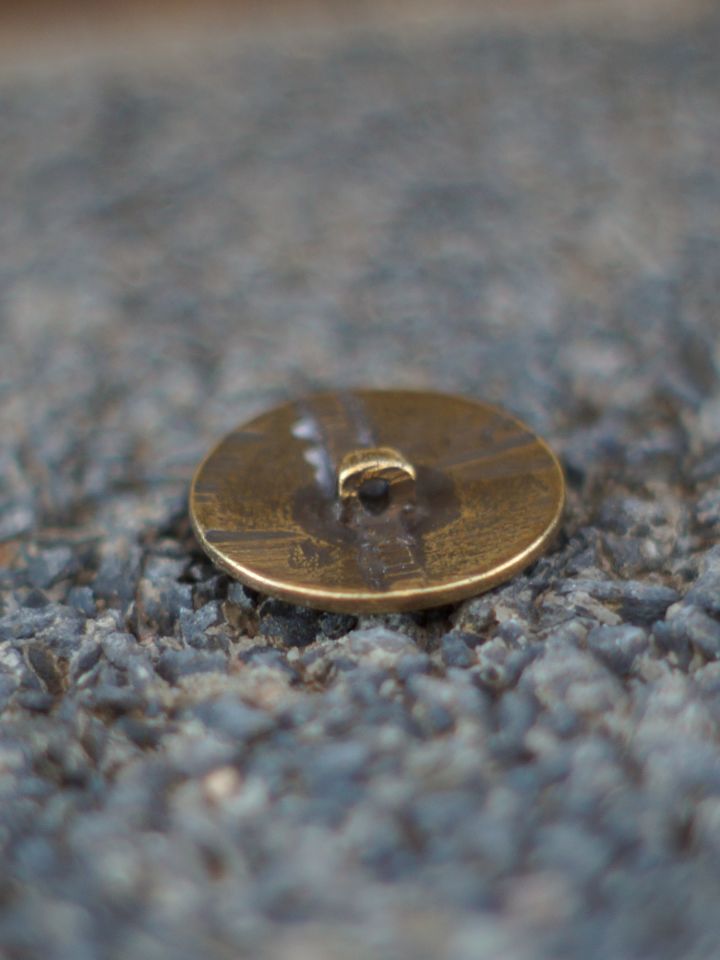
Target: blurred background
74, 18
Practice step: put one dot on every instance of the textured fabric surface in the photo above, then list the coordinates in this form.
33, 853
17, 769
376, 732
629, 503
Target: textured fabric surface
527, 215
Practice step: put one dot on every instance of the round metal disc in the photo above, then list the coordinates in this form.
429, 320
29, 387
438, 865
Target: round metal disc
480, 497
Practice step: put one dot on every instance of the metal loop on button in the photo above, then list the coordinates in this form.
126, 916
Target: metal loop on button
375, 474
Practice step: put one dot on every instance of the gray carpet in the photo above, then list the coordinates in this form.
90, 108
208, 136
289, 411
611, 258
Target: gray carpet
530, 215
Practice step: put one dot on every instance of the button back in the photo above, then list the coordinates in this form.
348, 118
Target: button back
377, 500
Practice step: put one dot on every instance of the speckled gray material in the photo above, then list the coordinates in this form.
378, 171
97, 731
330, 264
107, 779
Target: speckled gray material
188, 770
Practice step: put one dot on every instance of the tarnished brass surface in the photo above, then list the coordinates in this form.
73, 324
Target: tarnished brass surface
377, 500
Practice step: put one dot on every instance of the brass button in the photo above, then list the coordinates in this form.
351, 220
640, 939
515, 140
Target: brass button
377, 500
